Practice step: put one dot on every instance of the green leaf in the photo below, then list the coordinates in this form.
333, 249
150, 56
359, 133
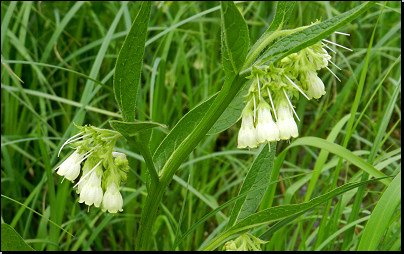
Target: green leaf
218, 209
134, 128
342, 152
282, 14
259, 174
384, 210
6, 20
232, 113
11, 240
278, 213
311, 35
235, 37
179, 133
129, 64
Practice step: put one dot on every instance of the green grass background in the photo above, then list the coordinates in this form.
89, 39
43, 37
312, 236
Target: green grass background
61, 48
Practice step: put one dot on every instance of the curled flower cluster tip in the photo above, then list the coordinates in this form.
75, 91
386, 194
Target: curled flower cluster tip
103, 169
268, 114
245, 242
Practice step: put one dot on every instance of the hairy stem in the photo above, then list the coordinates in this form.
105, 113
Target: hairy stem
223, 99
145, 151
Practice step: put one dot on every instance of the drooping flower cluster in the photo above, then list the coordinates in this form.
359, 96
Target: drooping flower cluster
244, 243
103, 169
294, 74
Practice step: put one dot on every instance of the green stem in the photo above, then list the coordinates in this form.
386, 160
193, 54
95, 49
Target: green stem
223, 99
145, 151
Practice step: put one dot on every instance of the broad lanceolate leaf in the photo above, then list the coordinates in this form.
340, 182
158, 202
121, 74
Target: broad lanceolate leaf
381, 215
232, 113
258, 175
11, 240
180, 131
278, 213
311, 35
129, 64
133, 129
282, 14
235, 37
235, 42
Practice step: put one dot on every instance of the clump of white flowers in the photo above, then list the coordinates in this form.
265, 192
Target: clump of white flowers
272, 89
103, 169
244, 243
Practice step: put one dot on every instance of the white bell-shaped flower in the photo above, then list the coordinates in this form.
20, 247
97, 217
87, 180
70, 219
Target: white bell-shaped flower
286, 124
83, 182
316, 87
112, 200
70, 168
92, 191
267, 131
247, 136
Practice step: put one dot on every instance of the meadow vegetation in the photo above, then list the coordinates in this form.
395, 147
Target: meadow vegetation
58, 62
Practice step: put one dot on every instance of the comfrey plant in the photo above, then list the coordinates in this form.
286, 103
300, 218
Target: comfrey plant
281, 65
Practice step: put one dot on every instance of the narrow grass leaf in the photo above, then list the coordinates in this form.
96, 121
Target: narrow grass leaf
218, 209
180, 131
342, 152
6, 21
36, 213
379, 219
330, 239
59, 29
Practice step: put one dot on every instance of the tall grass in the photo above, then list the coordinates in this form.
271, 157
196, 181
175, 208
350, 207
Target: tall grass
58, 60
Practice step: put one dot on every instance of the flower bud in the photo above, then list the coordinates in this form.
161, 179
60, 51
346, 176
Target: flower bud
229, 246
112, 200
318, 57
316, 87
